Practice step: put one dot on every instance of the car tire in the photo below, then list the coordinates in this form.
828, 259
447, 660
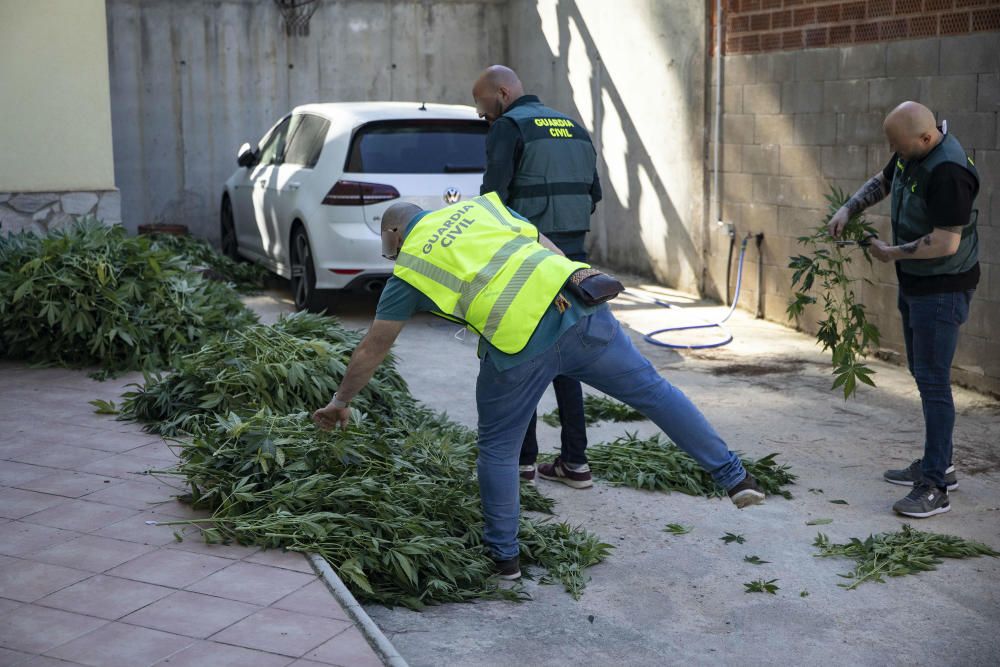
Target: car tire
303, 281
227, 231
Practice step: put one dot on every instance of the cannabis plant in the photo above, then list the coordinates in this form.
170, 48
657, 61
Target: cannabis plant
845, 330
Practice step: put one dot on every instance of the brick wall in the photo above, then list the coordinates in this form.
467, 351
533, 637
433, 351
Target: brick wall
796, 122
760, 26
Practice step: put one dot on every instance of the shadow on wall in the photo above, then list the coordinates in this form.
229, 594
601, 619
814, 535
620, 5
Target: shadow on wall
638, 226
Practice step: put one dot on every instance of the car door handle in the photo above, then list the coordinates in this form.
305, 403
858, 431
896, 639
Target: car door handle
293, 185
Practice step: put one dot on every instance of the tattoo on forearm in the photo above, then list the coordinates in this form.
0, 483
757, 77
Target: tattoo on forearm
911, 247
871, 193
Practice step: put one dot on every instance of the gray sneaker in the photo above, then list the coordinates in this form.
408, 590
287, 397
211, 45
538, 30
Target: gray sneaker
923, 501
908, 476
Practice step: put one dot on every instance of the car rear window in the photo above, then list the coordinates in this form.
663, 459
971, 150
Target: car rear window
418, 147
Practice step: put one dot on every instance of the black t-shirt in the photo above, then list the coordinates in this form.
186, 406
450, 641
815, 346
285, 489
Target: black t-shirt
951, 190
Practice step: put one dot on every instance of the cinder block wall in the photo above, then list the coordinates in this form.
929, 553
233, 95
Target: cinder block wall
800, 115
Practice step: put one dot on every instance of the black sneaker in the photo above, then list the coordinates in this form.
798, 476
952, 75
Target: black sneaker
912, 474
747, 493
923, 501
509, 569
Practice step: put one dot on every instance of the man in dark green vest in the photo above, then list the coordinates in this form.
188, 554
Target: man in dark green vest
933, 185
543, 165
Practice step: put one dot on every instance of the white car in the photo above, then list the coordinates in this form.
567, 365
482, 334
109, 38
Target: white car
307, 200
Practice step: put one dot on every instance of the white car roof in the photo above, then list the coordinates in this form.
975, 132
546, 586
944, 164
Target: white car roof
363, 112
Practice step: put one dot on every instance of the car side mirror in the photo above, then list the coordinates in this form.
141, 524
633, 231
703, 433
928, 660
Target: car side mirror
247, 156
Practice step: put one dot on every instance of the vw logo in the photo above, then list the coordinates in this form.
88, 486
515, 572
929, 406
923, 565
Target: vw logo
452, 195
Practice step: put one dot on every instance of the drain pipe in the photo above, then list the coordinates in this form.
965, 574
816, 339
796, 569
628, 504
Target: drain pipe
716, 214
760, 277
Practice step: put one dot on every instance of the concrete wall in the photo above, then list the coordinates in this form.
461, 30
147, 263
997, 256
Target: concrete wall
633, 72
797, 122
192, 80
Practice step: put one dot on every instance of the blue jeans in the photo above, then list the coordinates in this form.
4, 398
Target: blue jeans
930, 331
572, 420
598, 352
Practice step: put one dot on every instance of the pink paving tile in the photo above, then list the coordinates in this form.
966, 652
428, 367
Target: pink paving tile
69, 483
256, 584
171, 567
105, 597
121, 645
35, 629
314, 599
27, 580
191, 614
194, 541
348, 649
204, 654
135, 529
14, 474
106, 441
289, 560
17, 503
54, 456
136, 495
81, 515
159, 450
124, 466
10, 658
279, 631
17, 537
44, 661
91, 553
7, 606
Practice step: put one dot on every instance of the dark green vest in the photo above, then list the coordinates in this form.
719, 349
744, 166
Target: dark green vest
910, 218
551, 186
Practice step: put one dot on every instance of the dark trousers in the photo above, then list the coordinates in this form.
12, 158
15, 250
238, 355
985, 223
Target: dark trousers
930, 330
569, 397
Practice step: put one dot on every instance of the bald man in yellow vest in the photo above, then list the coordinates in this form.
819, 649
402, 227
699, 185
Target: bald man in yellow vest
478, 263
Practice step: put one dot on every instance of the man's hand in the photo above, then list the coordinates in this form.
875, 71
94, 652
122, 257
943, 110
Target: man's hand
879, 249
838, 222
330, 416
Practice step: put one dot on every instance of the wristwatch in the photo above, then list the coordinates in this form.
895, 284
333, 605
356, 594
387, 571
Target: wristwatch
337, 403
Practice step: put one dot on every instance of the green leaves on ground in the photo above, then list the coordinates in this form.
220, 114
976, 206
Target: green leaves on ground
839, 501
597, 409
199, 254
89, 295
394, 509
104, 407
845, 331
761, 586
818, 522
754, 560
906, 551
677, 529
656, 464
729, 538
294, 365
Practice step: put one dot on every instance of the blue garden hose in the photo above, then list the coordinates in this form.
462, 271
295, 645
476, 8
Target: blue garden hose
650, 337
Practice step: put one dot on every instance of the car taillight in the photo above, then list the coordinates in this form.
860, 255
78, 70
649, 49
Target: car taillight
355, 193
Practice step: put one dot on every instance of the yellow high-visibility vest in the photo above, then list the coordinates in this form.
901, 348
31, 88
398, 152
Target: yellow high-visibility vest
480, 264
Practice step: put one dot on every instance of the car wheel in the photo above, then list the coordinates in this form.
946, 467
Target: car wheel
303, 282
230, 247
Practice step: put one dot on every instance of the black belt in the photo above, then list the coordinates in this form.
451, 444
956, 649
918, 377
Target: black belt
549, 190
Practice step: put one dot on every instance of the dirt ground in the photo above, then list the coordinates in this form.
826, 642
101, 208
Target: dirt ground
664, 599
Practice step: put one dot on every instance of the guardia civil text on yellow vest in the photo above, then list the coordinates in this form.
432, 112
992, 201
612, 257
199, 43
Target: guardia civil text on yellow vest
481, 265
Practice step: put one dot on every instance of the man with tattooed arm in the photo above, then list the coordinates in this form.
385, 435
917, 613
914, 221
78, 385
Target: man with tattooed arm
932, 184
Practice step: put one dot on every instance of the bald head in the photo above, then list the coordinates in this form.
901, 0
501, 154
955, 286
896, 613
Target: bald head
911, 130
394, 222
495, 90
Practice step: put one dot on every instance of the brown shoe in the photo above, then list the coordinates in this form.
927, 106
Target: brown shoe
557, 472
527, 473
